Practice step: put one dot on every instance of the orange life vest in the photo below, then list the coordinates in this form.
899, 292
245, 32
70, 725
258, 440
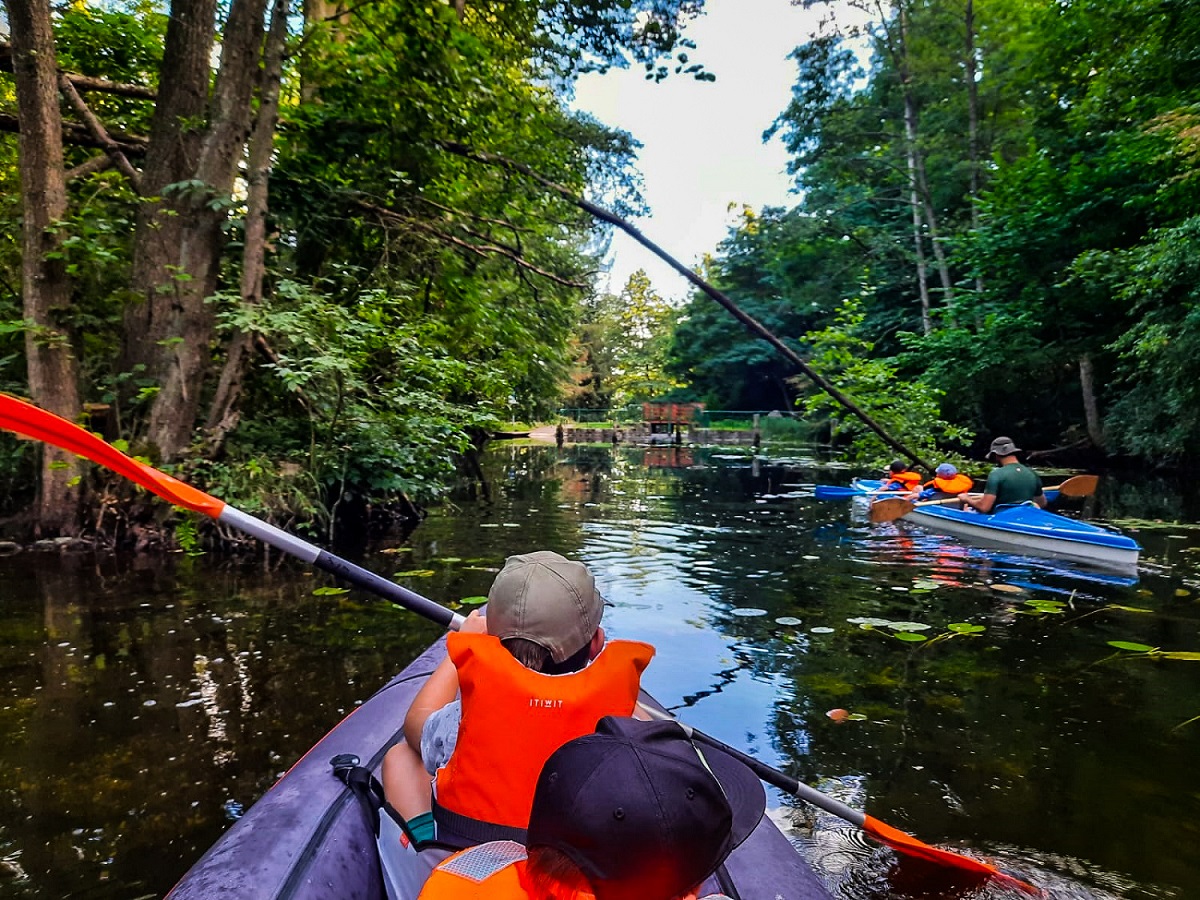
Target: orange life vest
494, 871
910, 480
513, 718
955, 484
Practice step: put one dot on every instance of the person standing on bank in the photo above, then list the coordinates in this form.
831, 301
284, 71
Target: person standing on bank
1010, 483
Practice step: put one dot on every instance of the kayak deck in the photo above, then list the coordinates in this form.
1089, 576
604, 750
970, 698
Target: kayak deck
308, 838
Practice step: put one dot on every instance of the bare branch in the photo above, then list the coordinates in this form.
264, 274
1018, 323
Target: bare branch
96, 164
97, 130
479, 249
74, 133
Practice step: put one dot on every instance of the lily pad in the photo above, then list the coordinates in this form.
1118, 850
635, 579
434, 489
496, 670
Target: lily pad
822, 629
415, 573
910, 637
472, 601
748, 612
965, 628
787, 620
869, 621
909, 626
330, 591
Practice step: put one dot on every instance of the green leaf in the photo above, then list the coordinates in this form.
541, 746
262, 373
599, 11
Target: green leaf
1132, 647
329, 591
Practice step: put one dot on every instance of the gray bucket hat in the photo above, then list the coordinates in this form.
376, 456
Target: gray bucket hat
1002, 446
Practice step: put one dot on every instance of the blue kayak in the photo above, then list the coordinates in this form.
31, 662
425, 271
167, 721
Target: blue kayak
1026, 528
864, 486
308, 838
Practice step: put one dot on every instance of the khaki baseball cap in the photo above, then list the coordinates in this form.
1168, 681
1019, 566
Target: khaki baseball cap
545, 598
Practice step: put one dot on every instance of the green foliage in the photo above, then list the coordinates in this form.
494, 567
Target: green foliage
627, 345
376, 391
906, 408
1158, 411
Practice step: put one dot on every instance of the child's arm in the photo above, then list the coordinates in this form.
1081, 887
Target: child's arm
440, 689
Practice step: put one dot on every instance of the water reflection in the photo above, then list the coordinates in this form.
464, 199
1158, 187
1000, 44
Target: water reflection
148, 700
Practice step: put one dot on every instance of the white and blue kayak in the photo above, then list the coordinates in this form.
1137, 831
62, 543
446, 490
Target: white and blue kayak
1025, 528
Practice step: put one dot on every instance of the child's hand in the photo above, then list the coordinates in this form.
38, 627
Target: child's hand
475, 623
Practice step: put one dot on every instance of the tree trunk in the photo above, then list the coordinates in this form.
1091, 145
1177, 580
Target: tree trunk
46, 287
171, 157
223, 413
972, 123
919, 247
182, 319
1091, 410
920, 183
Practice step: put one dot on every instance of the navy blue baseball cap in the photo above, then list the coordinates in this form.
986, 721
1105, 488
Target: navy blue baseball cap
641, 810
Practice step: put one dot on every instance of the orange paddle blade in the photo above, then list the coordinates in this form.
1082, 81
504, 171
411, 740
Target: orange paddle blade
27, 419
1079, 486
911, 846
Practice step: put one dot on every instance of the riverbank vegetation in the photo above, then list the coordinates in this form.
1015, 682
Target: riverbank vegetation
1005, 193
270, 277
267, 275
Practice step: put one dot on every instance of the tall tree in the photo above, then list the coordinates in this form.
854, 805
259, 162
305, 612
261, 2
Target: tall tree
45, 286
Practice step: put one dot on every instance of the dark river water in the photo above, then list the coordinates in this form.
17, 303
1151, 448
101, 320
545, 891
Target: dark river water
147, 701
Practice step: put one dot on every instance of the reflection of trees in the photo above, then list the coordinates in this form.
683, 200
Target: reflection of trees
142, 699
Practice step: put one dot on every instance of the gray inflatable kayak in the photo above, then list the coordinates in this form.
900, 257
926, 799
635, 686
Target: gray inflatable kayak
309, 838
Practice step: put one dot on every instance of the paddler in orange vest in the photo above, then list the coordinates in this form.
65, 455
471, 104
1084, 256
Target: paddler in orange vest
533, 674
635, 811
947, 482
900, 478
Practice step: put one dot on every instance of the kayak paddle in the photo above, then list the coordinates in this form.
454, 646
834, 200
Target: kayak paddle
833, 492
1077, 486
891, 508
885, 834
24, 418
27, 419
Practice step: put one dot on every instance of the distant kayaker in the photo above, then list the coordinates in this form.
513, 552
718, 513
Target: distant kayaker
533, 674
900, 478
1009, 483
947, 482
633, 812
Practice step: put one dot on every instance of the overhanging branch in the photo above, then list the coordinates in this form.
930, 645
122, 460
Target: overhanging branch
752, 324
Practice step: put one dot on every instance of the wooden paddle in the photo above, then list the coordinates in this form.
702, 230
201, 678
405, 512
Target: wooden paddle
24, 418
891, 508
1077, 486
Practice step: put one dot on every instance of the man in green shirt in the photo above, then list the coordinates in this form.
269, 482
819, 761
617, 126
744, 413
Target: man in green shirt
1009, 483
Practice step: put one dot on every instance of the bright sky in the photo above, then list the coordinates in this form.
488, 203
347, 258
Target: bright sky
703, 146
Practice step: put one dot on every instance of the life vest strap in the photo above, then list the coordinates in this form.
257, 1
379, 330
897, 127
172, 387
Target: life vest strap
459, 831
